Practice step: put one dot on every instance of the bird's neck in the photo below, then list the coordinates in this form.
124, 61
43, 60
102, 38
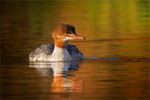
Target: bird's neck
61, 44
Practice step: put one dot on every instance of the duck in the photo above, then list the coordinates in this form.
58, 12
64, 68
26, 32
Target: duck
61, 50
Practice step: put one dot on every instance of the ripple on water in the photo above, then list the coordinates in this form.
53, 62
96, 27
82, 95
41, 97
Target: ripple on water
102, 58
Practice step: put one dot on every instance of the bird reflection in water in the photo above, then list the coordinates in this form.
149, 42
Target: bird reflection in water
61, 82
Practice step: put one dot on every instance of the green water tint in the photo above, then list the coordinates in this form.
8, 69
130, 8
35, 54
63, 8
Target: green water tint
116, 49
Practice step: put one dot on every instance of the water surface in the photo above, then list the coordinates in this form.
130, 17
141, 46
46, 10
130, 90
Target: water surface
116, 50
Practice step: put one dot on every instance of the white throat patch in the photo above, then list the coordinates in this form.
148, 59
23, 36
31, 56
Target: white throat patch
67, 38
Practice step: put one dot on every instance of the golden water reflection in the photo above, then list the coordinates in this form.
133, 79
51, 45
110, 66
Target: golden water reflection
61, 82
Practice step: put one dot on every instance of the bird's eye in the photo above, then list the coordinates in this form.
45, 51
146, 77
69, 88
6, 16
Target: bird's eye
67, 32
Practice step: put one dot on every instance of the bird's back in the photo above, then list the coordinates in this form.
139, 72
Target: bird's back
41, 51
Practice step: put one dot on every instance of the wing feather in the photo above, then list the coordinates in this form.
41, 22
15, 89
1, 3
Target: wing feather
74, 52
44, 49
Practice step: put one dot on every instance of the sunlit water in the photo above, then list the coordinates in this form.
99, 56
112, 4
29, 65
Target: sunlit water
116, 50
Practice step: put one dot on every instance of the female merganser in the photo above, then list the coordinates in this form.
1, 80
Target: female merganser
61, 51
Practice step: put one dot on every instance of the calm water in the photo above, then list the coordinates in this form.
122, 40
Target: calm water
116, 50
